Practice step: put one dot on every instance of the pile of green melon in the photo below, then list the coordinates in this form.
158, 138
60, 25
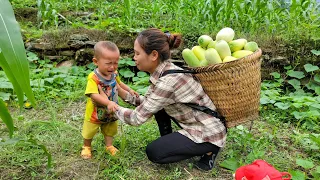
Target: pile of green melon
221, 50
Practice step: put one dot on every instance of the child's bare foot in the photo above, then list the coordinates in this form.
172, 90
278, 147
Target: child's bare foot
86, 152
112, 150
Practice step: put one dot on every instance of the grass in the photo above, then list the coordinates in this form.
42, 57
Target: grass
57, 125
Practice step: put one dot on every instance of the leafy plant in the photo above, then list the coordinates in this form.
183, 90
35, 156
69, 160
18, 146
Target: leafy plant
13, 57
297, 94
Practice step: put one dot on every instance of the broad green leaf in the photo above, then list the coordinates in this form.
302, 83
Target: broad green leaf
282, 106
288, 67
298, 115
6, 117
315, 52
5, 96
14, 57
264, 100
315, 105
6, 85
295, 83
131, 63
305, 163
317, 90
312, 85
310, 67
317, 78
296, 74
297, 175
318, 169
231, 164
126, 73
142, 74
276, 75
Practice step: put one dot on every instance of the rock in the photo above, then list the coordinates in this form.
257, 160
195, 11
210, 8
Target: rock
67, 53
84, 56
76, 44
79, 37
41, 46
68, 63
279, 60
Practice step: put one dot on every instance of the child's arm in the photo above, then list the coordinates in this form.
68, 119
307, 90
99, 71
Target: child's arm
127, 88
122, 92
102, 99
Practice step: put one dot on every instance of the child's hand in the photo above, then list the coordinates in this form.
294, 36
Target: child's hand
112, 106
133, 93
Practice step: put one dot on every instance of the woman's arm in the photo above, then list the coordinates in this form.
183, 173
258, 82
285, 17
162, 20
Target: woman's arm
161, 96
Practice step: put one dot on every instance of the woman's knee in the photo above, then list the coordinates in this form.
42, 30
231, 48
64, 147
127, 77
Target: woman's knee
153, 153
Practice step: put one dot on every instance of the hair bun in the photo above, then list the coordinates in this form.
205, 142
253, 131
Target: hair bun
174, 40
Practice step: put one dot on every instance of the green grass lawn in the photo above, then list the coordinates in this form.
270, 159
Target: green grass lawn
57, 125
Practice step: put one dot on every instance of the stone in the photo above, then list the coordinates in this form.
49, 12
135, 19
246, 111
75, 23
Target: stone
67, 53
76, 44
79, 37
41, 46
84, 56
67, 63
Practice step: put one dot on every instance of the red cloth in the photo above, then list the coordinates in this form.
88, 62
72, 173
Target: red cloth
260, 170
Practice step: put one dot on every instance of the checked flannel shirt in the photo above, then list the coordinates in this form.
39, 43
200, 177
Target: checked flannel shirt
170, 92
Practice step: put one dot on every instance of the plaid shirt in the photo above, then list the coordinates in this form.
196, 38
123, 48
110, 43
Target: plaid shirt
170, 92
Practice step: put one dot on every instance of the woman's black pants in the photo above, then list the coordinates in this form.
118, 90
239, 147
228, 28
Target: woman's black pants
174, 147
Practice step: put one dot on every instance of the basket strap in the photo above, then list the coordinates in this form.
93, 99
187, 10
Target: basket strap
171, 71
208, 111
196, 106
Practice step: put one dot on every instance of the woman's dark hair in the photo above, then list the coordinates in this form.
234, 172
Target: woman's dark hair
154, 39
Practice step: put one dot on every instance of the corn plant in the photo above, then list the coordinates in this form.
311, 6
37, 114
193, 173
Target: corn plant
14, 62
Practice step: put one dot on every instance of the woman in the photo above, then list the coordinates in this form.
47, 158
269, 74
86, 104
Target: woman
201, 134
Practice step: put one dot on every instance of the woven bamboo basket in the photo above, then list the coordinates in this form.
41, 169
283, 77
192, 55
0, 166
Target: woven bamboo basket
234, 87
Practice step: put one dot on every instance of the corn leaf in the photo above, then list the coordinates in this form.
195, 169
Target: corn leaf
13, 58
6, 117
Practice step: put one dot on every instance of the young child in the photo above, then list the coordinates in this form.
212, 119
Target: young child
104, 77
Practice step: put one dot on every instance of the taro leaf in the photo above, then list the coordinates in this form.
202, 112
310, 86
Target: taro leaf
142, 74
297, 105
13, 58
49, 80
317, 78
6, 85
298, 115
315, 105
131, 63
5, 96
282, 106
310, 67
315, 52
312, 85
6, 117
264, 100
276, 75
317, 90
297, 175
127, 73
305, 163
296, 74
295, 83
288, 67
231, 164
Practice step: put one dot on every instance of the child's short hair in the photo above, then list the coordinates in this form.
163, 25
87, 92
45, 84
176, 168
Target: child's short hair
99, 46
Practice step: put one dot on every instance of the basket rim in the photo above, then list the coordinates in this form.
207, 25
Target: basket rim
255, 55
